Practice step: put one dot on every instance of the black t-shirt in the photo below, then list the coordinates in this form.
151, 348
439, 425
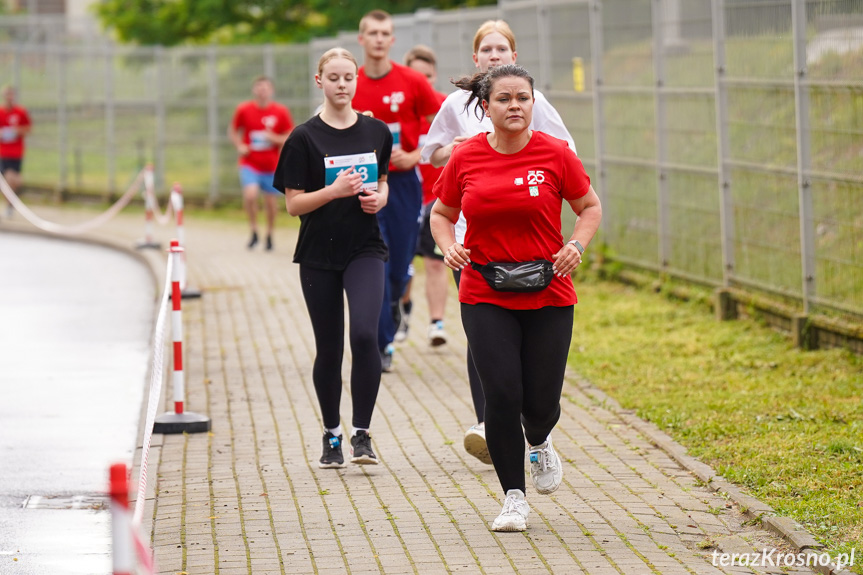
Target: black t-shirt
339, 231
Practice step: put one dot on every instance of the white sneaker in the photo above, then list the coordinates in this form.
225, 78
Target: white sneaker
513, 516
545, 468
474, 443
437, 336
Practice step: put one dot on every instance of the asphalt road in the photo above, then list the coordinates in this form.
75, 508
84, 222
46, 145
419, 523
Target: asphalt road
75, 328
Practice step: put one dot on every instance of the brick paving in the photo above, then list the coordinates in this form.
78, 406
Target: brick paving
248, 497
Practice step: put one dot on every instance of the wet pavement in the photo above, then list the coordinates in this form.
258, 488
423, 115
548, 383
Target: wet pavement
249, 498
75, 323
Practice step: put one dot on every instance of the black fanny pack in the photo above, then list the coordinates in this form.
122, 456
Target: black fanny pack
517, 276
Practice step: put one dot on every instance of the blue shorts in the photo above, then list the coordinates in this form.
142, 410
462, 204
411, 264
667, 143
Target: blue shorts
264, 180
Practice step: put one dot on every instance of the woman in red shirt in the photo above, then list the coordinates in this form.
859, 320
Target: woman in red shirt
510, 184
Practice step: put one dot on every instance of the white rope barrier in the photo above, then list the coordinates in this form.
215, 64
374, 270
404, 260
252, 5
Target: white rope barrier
152, 201
156, 377
78, 229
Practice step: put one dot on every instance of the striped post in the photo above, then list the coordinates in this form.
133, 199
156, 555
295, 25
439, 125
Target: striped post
121, 521
180, 421
177, 325
177, 204
149, 210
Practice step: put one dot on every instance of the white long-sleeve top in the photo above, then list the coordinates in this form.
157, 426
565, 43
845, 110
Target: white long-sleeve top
453, 120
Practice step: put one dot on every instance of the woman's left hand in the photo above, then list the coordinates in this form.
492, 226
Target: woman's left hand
566, 260
372, 201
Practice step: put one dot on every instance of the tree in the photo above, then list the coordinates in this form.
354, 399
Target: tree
171, 22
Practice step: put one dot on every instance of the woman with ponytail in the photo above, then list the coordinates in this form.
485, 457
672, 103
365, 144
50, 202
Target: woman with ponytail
516, 292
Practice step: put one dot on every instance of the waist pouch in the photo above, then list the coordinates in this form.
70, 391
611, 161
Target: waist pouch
517, 276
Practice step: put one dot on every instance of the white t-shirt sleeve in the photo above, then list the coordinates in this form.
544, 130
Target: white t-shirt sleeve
444, 128
546, 119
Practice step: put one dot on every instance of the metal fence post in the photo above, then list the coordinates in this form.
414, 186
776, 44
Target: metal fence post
543, 33
269, 61
110, 129
159, 152
595, 24
726, 213
804, 184
62, 121
663, 219
213, 122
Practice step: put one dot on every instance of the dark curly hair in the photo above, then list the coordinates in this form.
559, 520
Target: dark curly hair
480, 84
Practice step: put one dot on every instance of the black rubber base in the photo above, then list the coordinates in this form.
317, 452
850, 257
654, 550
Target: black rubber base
188, 293
186, 422
143, 245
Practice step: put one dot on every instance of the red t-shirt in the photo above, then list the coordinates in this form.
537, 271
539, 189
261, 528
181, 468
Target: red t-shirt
512, 204
253, 121
400, 99
428, 173
12, 145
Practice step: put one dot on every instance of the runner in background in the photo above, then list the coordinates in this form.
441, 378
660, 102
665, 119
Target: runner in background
333, 172
493, 45
422, 59
258, 130
14, 127
400, 97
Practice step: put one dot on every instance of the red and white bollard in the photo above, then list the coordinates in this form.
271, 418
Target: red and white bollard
177, 204
149, 211
180, 420
123, 552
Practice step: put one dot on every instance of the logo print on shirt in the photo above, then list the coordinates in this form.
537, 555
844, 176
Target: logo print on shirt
519, 181
269, 121
534, 191
394, 100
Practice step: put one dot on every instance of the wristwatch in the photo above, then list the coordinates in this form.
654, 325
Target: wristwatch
577, 245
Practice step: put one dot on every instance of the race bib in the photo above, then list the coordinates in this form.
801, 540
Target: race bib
9, 134
396, 131
258, 141
366, 165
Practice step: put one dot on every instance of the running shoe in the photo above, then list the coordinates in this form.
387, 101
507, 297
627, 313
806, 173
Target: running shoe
474, 443
513, 516
437, 336
269, 243
402, 318
361, 449
387, 359
332, 457
545, 468
254, 241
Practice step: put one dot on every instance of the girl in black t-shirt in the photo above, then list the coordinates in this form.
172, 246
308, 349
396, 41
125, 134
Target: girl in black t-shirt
333, 170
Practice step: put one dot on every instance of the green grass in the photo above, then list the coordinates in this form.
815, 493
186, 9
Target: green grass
785, 424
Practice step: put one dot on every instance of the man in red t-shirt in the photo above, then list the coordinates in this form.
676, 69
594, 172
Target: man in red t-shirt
400, 97
258, 130
422, 59
14, 126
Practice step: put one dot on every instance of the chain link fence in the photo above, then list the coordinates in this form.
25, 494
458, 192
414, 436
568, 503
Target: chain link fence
725, 137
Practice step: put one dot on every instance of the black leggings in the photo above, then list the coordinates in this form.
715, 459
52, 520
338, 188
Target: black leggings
363, 282
472, 376
521, 359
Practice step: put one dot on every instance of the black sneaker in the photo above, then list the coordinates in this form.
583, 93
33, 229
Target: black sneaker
269, 243
254, 241
361, 449
332, 456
